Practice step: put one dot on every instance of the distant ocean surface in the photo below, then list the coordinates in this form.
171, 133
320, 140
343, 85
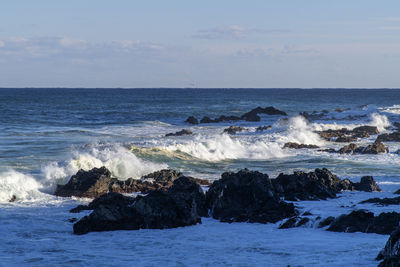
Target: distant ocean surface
47, 135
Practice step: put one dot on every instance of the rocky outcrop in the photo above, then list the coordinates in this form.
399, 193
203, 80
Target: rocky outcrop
389, 137
319, 184
222, 118
180, 205
180, 133
346, 135
98, 181
192, 120
299, 146
366, 222
375, 148
246, 196
390, 254
113, 199
294, 222
382, 201
234, 129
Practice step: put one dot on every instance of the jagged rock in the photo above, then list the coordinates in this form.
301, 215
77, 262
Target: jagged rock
180, 133
263, 128
320, 184
298, 146
79, 208
366, 222
375, 148
234, 129
397, 192
366, 129
253, 114
390, 254
348, 149
246, 196
389, 137
328, 150
294, 222
345, 139
382, 201
366, 184
227, 118
192, 120
98, 181
346, 135
180, 205
206, 119
327, 221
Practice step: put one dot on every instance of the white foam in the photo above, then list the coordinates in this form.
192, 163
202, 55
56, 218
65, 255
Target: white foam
122, 163
395, 109
222, 147
15, 184
380, 121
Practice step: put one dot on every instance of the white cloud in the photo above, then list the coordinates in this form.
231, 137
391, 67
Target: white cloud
64, 41
231, 32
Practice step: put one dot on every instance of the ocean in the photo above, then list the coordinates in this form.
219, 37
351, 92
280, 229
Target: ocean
47, 135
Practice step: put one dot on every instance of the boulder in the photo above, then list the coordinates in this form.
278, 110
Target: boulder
365, 221
298, 146
346, 135
389, 137
325, 222
234, 129
382, 201
180, 133
375, 148
192, 120
98, 181
390, 254
246, 196
319, 184
180, 205
366, 129
348, 149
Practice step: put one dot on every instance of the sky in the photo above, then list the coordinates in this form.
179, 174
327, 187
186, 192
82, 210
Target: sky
206, 44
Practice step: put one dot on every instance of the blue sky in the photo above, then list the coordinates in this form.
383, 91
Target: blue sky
87, 43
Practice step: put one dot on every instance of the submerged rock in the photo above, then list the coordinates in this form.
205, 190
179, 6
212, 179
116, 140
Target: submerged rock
180, 205
180, 133
263, 128
390, 254
382, 201
246, 196
253, 114
234, 129
192, 120
366, 222
98, 181
298, 146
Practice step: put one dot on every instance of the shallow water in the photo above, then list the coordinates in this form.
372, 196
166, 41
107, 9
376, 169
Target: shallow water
46, 135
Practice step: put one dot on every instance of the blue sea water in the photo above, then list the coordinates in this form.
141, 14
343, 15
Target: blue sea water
46, 135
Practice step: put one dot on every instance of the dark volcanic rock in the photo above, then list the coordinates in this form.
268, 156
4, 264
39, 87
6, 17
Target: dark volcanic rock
389, 137
180, 133
253, 114
298, 146
366, 129
93, 183
206, 119
375, 148
234, 129
192, 120
366, 222
98, 181
294, 222
382, 201
327, 221
263, 128
397, 192
390, 254
366, 184
320, 184
346, 139
346, 135
246, 196
180, 205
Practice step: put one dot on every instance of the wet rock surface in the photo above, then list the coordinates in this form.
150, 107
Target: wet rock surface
382, 201
390, 254
375, 148
346, 135
182, 204
192, 120
98, 181
365, 221
319, 184
234, 129
389, 137
263, 128
294, 222
180, 133
246, 196
299, 146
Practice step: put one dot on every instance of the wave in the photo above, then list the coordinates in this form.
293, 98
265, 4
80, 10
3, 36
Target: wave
20, 186
223, 147
395, 109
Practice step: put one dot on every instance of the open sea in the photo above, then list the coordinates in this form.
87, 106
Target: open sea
47, 135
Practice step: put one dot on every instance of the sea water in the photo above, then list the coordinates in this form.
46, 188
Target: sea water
47, 135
